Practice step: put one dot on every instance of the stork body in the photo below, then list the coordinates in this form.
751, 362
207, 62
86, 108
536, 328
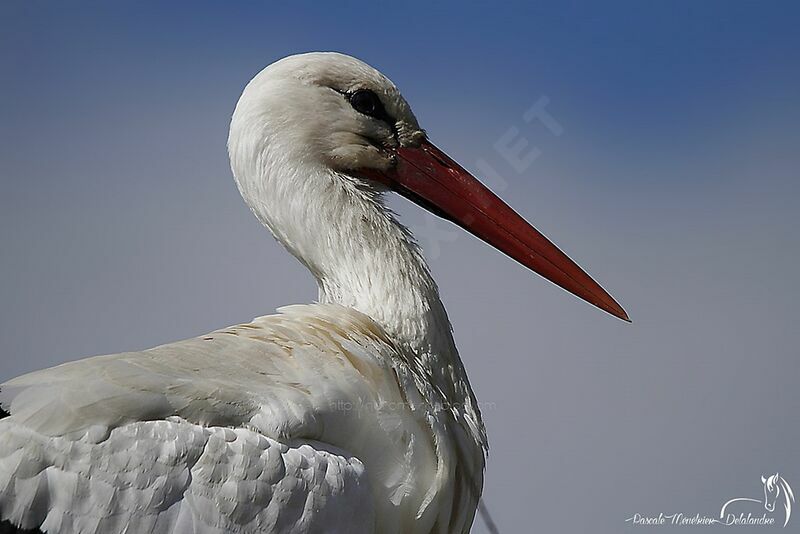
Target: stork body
306, 421
351, 415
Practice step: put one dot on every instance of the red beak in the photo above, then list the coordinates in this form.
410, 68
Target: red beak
429, 177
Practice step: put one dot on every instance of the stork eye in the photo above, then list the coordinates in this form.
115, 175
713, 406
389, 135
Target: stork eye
366, 102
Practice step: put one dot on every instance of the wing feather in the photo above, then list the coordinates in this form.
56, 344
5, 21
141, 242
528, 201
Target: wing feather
214, 434
177, 476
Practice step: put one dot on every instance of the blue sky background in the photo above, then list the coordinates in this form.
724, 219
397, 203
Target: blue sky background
675, 183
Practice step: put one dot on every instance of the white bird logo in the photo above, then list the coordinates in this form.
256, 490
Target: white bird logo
775, 488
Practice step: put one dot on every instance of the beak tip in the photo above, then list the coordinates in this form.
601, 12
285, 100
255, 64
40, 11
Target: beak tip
609, 305
620, 313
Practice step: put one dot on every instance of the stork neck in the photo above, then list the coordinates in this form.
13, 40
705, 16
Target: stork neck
384, 275
374, 266
361, 257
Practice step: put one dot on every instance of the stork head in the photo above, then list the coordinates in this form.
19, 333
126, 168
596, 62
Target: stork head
330, 122
329, 109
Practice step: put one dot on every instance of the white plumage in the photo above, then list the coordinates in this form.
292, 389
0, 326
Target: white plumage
229, 432
351, 415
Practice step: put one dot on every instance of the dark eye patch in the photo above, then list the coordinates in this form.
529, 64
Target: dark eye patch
367, 102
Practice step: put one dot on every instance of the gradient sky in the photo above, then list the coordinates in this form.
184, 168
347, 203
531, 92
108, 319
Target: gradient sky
674, 182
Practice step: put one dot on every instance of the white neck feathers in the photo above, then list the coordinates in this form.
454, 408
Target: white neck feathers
360, 255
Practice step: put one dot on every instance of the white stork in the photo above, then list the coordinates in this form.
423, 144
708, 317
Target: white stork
350, 415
